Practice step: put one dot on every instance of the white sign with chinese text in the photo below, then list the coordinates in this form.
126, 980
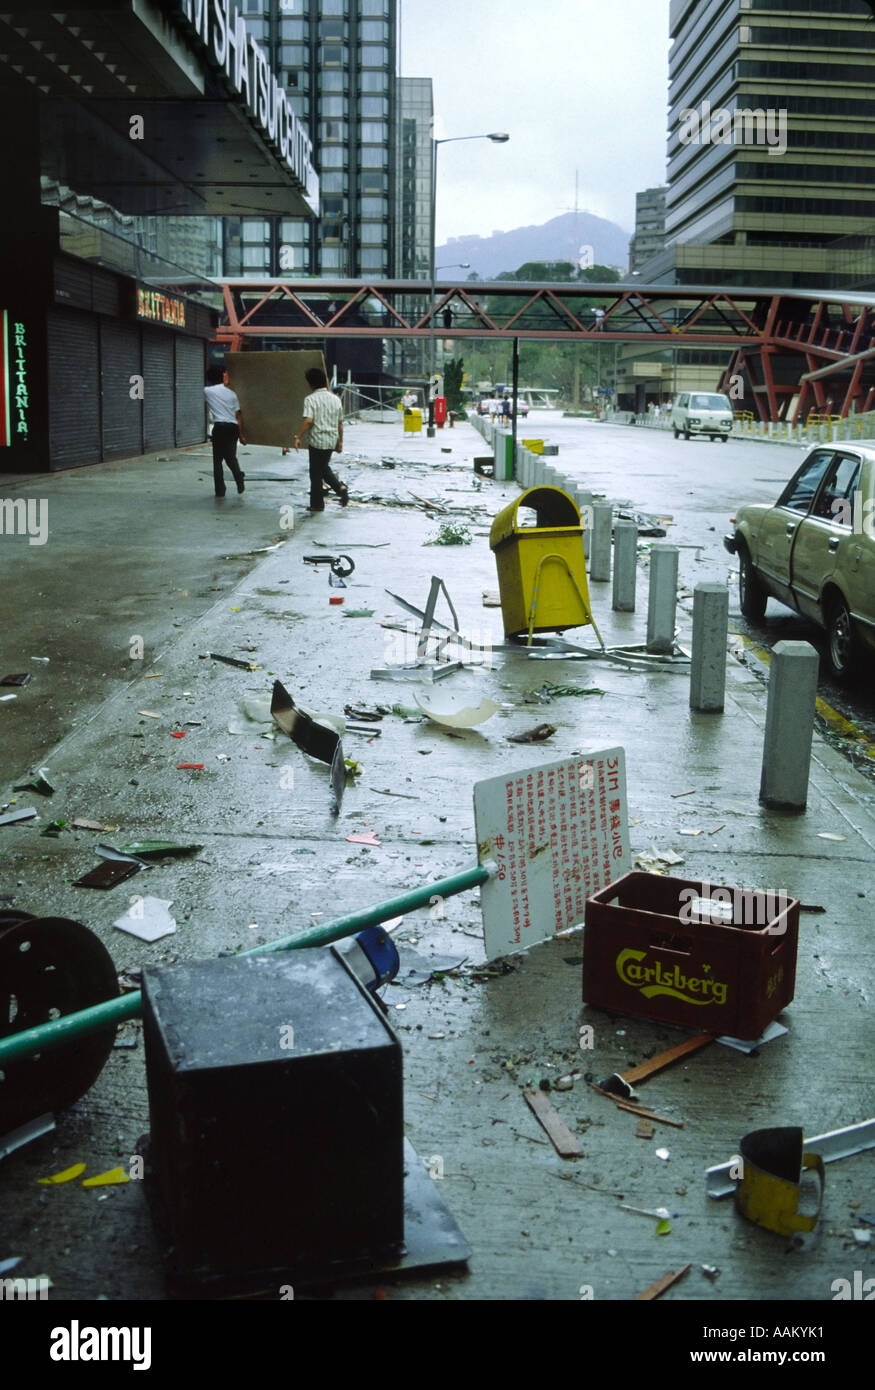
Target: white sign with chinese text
558, 833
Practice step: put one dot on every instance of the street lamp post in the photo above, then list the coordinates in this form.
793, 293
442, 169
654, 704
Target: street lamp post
497, 138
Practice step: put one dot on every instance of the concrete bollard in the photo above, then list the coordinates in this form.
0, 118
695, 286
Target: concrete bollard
625, 566
710, 630
524, 465
583, 498
600, 548
663, 598
789, 726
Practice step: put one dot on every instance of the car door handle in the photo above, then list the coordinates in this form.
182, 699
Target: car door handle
791, 527
833, 544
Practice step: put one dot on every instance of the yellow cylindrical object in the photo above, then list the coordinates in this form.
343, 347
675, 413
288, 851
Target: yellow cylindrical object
541, 569
412, 421
535, 445
768, 1191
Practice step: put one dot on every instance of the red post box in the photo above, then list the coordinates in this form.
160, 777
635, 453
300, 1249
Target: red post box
440, 411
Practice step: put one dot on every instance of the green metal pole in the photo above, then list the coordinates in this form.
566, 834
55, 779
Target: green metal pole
114, 1011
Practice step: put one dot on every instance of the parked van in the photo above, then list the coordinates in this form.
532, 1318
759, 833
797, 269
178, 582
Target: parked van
699, 412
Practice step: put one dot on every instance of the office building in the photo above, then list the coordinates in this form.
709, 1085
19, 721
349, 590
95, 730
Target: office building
771, 149
649, 238
336, 61
120, 116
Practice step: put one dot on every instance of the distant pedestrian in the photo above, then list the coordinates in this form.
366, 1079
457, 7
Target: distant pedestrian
323, 426
227, 429
408, 400
506, 409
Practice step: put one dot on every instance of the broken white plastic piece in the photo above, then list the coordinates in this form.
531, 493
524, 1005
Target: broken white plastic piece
148, 918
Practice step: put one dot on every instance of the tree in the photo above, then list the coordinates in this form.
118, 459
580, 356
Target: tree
453, 374
570, 367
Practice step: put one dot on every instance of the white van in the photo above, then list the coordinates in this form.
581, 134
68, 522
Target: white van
699, 412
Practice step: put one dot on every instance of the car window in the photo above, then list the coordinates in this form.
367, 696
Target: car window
799, 492
682, 401
702, 402
835, 501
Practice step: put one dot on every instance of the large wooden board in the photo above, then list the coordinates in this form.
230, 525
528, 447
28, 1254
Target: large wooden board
271, 388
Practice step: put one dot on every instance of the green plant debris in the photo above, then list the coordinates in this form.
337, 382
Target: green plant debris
39, 784
353, 769
451, 533
549, 691
54, 828
358, 612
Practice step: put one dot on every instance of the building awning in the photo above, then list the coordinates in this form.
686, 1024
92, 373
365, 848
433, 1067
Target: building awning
136, 110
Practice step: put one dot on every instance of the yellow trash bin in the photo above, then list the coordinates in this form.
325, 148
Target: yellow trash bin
412, 421
535, 446
541, 568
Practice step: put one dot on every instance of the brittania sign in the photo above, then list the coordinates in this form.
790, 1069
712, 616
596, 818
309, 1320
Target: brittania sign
222, 32
160, 308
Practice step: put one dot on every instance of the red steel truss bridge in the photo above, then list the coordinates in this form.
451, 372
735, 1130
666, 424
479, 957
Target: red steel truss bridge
795, 352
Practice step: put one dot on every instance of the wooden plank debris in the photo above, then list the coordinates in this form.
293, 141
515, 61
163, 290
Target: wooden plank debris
665, 1059
638, 1109
564, 1142
659, 1288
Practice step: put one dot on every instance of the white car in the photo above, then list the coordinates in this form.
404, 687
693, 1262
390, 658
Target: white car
702, 412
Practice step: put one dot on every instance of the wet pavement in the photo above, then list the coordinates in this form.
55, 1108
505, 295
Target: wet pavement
141, 550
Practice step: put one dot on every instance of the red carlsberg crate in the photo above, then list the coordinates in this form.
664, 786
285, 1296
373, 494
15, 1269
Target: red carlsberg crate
720, 960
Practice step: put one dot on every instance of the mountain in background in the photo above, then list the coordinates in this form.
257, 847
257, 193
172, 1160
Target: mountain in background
557, 240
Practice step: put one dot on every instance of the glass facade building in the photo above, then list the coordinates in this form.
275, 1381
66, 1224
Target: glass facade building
771, 148
413, 178
336, 59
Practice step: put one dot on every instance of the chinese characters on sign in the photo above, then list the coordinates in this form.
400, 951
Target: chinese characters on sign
557, 833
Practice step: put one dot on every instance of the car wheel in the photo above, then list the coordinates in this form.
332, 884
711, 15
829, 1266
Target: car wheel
686, 434
677, 433
840, 643
752, 596
724, 437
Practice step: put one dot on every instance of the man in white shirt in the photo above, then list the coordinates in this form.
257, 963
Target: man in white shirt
227, 428
323, 426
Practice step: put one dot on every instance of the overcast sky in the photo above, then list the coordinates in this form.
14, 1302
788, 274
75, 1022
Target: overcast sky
577, 84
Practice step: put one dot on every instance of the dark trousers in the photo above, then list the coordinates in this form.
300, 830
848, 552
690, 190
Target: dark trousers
225, 438
321, 471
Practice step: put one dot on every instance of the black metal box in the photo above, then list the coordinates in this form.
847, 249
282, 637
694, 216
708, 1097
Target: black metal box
275, 1102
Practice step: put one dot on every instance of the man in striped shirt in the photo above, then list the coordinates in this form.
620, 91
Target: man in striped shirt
323, 426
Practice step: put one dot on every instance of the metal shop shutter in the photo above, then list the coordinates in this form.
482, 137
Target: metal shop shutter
122, 416
190, 403
158, 407
74, 388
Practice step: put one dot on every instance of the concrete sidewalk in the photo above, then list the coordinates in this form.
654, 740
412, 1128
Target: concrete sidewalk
141, 549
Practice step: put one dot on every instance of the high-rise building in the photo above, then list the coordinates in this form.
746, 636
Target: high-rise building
649, 238
413, 178
336, 60
771, 150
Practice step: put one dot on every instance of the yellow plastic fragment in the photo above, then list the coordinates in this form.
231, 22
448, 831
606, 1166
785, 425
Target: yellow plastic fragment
109, 1179
663, 1227
67, 1176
